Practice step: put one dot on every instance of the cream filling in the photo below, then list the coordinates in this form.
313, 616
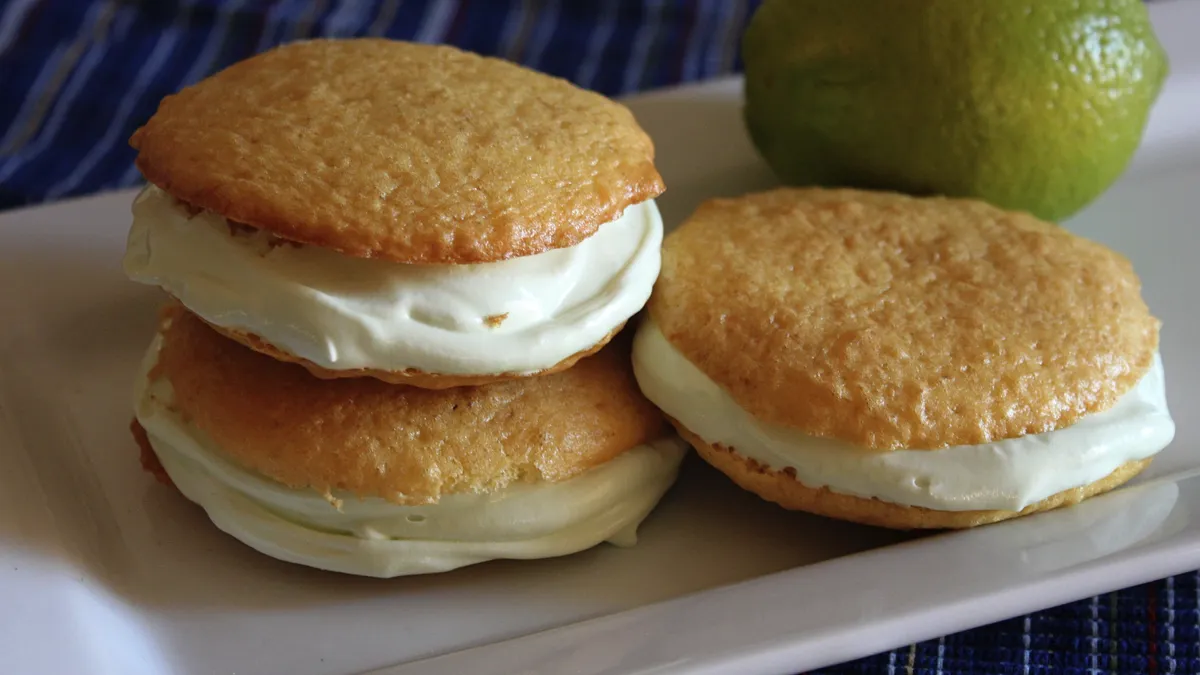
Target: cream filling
374, 537
1006, 475
341, 312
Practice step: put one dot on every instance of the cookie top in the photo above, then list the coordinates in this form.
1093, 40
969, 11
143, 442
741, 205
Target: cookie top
897, 322
409, 152
404, 444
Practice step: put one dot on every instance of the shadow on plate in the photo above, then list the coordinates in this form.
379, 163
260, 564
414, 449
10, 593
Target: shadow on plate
65, 368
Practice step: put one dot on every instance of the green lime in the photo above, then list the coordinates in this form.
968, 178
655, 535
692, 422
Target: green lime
1034, 105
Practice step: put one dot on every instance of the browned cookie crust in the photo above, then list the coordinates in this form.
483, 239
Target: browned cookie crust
409, 152
405, 444
890, 321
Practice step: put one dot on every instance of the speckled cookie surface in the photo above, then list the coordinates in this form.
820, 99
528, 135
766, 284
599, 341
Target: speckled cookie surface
895, 322
782, 488
405, 444
410, 377
409, 152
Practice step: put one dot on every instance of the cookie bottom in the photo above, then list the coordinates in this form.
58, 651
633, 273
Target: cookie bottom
411, 377
147, 457
782, 488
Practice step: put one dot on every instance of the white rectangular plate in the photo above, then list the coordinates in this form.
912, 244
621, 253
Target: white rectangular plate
103, 571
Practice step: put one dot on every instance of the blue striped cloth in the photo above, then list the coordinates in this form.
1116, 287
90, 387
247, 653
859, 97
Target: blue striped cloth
78, 76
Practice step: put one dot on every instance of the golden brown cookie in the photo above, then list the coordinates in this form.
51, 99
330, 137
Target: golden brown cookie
405, 444
146, 456
411, 377
409, 152
890, 321
782, 488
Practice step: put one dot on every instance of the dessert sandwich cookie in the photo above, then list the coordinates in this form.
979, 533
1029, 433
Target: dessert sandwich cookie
903, 362
365, 477
410, 212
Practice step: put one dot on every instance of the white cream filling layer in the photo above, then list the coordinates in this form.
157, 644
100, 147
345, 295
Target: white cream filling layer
374, 537
342, 313
1007, 475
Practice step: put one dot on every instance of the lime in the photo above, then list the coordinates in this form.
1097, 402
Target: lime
1034, 105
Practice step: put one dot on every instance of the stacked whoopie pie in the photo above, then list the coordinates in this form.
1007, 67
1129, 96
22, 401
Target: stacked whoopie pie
396, 270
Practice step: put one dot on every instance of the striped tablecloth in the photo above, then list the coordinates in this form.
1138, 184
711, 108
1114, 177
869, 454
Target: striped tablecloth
78, 76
